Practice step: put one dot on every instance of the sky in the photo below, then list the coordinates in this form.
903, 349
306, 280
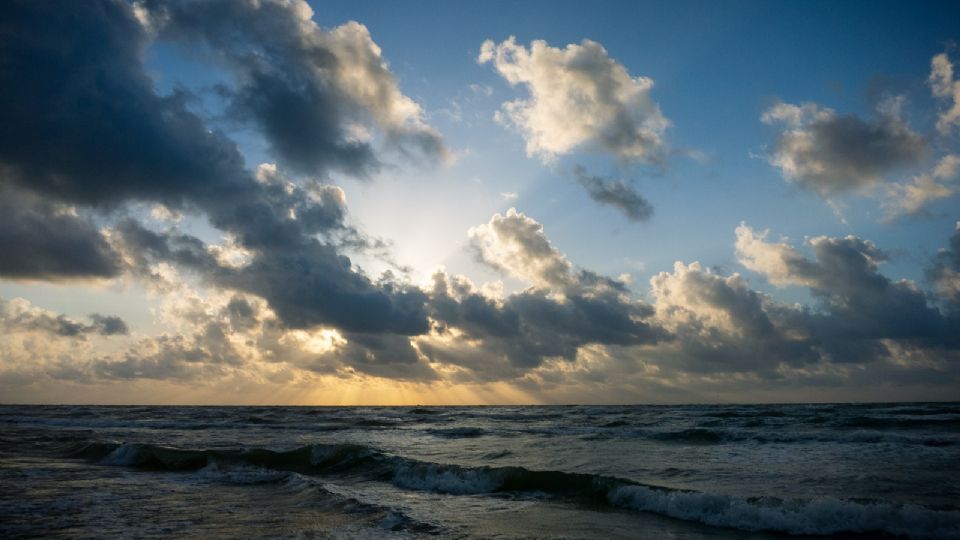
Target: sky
341, 203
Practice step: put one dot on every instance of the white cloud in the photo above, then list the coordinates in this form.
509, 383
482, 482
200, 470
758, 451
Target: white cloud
578, 97
363, 74
911, 197
945, 87
516, 244
770, 259
683, 298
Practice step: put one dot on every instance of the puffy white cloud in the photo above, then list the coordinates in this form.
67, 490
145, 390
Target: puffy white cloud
945, 87
578, 97
694, 297
516, 244
362, 74
830, 153
776, 261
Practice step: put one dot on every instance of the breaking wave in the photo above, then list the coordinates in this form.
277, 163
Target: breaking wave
819, 516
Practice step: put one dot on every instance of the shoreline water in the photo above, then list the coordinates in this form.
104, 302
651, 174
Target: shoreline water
693, 471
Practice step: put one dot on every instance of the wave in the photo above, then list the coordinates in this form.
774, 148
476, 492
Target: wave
693, 436
458, 433
746, 414
316, 494
424, 410
820, 516
875, 422
791, 516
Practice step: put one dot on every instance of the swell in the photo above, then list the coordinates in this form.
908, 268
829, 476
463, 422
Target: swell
819, 516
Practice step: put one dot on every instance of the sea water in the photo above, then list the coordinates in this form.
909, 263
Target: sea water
697, 471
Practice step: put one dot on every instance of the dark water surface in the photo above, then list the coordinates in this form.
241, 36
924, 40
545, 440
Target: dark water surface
704, 471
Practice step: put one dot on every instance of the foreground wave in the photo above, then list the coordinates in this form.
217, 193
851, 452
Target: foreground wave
818, 516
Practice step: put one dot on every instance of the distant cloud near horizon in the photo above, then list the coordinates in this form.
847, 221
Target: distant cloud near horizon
19, 315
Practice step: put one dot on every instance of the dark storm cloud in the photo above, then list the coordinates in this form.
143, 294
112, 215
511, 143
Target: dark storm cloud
301, 86
314, 285
503, 340
618, 194
81, 124
307, 283
38, 240
19, 316
865, 304
830, 153
80, 120
302, 126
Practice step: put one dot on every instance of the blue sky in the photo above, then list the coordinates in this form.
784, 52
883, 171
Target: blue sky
716, 67
856, 80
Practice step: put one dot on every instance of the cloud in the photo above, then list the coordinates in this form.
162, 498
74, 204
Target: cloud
78, 103
944, 86
945, 272
722, 326
43, 240
278, 299
578, 97
564, 310
496, 340
19, 315
830, 153
82, 105
305, 281
865, 327
309, 91
618, 194
910, 198
516, 244
858, 302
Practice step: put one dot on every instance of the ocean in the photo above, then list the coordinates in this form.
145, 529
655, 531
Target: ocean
696, 471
